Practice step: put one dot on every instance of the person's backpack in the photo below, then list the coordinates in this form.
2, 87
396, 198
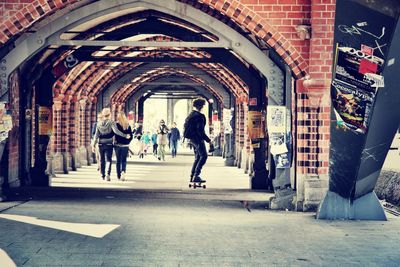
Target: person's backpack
189, 128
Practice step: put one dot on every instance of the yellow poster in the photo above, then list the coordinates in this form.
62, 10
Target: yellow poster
255, 125
45, 122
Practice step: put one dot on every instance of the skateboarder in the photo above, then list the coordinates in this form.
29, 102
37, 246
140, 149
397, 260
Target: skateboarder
194, 131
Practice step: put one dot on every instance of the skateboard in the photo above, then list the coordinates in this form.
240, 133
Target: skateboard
197, 184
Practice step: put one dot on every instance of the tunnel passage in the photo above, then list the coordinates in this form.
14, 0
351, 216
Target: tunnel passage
113, 57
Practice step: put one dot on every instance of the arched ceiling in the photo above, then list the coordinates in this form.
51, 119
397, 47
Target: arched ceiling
142, 34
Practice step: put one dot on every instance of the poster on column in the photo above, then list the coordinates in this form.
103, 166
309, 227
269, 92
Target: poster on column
276, 119
227, 113
44, 119
5, 121
278, 143
255, 125
352, 106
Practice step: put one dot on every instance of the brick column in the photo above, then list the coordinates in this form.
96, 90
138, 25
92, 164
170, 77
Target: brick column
88, 127
58, 159
65, 114
313, 111
83, 153
73, 135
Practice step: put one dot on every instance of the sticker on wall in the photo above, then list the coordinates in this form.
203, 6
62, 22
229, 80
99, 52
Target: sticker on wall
352, 65
253, 101
276, 119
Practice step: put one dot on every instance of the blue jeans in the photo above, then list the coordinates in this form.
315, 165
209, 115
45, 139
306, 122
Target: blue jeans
200, 157
105, 155
121, 154
174, 147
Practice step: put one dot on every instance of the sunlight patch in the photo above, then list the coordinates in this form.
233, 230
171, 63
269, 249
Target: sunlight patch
89, 229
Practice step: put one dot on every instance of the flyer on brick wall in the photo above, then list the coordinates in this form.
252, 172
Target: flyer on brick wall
276, 119
352, 105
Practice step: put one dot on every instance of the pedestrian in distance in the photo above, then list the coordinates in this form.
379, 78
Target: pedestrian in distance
174, 137
145, 140
105, 132
162, 139
194, 131
97, 151
121, 145
154, 141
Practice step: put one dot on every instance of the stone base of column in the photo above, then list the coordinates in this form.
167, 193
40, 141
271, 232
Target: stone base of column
83, 155
245, 160
314, 190
335, 207
58, 163
75, 160
67, 162
283, 200
229, 160
49, 167
90, 155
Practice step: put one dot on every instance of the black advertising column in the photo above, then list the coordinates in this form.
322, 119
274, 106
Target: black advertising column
366, 106
256, 128
44, 102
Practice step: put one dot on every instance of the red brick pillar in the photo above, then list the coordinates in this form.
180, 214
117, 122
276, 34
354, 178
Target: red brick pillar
246, 140
88, 127
313, 111
58, 159
73, 121
83, 153
66, 109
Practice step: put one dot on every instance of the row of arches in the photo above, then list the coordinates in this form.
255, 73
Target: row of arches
122, 53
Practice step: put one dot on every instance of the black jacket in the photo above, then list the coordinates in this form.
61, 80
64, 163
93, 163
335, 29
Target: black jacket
199, 120
122, 140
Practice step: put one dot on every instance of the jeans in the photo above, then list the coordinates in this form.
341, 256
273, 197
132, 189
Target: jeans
174, 146
200, 157
155, 149
161, 152
105, 155
121, 153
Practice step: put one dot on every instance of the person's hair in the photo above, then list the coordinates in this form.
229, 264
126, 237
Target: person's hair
106, 113
122, 120
199, 103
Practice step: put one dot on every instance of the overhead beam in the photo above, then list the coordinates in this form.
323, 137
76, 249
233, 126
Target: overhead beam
148, 59
57, 41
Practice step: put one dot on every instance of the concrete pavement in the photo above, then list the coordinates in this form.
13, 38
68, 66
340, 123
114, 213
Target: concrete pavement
156, 220
183, 232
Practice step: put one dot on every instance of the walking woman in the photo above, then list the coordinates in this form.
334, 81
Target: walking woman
162, 139
105, 132
121, 145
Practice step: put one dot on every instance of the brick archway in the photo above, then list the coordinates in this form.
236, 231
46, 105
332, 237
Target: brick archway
22, 20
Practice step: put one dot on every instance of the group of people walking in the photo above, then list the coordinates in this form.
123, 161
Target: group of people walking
109, 135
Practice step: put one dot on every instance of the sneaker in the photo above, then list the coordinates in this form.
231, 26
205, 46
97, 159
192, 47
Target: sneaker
108, 178
123, 176
198, 179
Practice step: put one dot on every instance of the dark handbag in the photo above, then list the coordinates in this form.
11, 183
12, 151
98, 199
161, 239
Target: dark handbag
212, 149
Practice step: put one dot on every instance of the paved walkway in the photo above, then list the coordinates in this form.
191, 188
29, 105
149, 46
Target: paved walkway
154, 219
150, 174
111, 229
